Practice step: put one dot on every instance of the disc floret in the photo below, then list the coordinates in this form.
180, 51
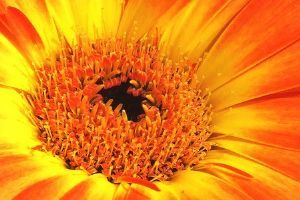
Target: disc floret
96, 132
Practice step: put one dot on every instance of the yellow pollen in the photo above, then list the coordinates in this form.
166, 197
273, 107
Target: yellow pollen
121, 109
134, 82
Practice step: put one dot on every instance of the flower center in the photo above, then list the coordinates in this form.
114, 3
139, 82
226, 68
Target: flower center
121, 109
131, 104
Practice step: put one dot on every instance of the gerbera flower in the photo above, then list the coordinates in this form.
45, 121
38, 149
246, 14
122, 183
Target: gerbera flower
150, 99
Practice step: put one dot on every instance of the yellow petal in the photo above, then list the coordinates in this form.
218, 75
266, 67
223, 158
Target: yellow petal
140, 16
201, 185
104, 18
63, 17
15, 71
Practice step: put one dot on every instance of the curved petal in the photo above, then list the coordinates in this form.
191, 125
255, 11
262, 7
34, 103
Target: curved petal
276, 74
50, 188
19, 30
60, 11
137, 191
97, 18
140, 16
273, 122
17, 134
184, 185
284, 161
104, 18
13, 106
95, 187
16, 130
196, 26
20, 170
126, 192
261, 29
37, 13
201, 185
15, 71
265, 182
27, 175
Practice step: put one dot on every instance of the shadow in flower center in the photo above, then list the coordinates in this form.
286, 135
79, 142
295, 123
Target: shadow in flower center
130, 103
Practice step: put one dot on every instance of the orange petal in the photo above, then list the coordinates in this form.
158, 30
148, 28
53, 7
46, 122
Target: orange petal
50, 188
261, 29
21, 169
284, 161
13, 22
265, 182
276, 74
196, 26
17, 20
20, 31
38, 15
273, 122
95, 187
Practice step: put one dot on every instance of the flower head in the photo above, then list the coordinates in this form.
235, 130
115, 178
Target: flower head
149, 99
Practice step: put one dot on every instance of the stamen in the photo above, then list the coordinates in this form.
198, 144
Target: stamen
120, 109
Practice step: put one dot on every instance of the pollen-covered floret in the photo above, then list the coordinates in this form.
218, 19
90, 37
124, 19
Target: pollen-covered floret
83, 108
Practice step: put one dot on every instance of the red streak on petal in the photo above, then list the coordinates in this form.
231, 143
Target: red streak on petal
5, 29
22, 22
145, 183
235, 170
